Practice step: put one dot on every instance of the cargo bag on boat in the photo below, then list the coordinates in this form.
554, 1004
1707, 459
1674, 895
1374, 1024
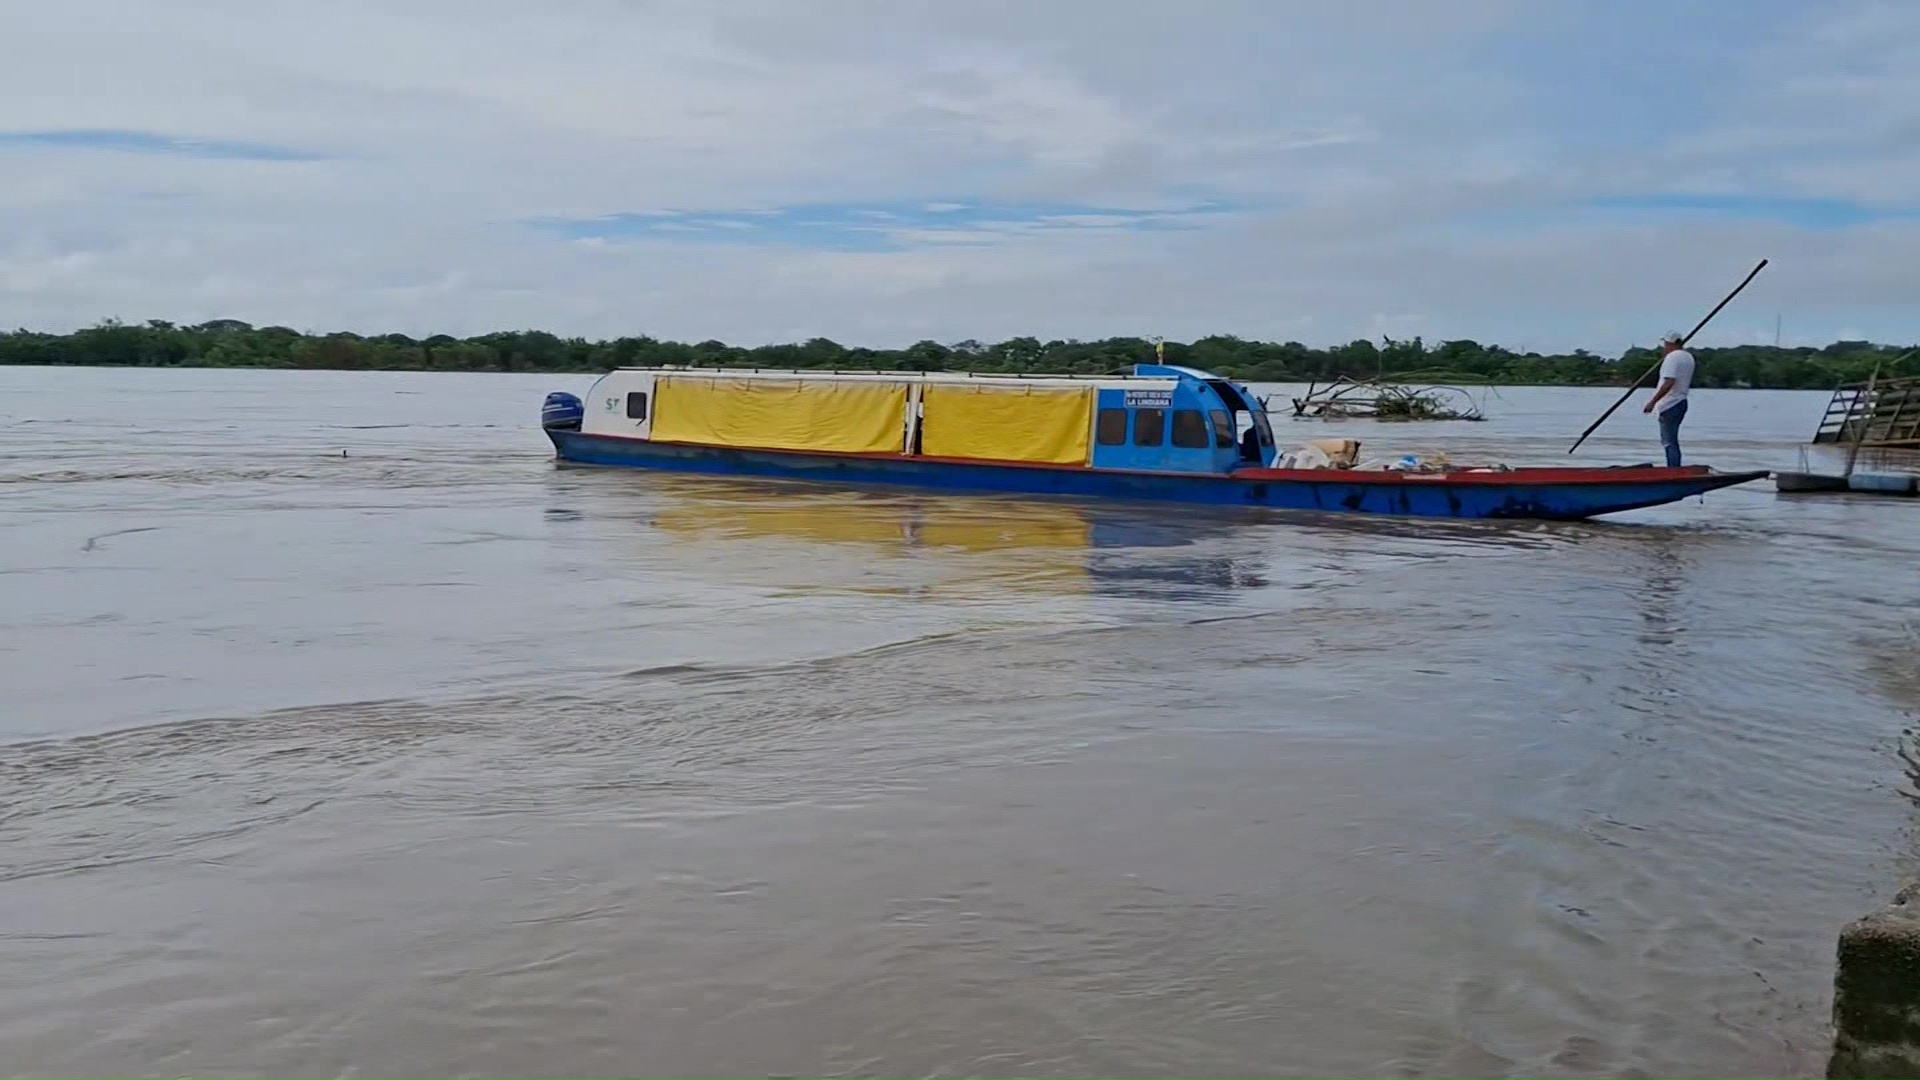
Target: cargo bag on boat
827, 415
1049, 425
1322, 454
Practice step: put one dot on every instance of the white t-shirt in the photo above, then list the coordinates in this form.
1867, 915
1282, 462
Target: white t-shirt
1678, 366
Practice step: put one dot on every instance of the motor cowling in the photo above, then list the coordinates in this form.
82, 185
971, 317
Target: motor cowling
562, 411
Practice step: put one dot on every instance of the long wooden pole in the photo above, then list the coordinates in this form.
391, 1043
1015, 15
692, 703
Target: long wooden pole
1656, 366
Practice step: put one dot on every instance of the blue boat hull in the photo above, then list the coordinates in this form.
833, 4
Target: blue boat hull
1454, 497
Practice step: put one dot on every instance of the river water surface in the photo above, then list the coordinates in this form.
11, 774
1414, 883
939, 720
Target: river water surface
345, 734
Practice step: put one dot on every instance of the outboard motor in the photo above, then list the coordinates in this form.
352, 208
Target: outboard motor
563, 412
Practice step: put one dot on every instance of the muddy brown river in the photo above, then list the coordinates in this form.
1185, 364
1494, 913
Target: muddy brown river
344, 734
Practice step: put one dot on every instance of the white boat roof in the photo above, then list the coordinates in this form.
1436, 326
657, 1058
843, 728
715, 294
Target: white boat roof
1010, 378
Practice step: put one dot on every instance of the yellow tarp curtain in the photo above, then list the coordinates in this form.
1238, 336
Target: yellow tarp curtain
1037, 424
832, 416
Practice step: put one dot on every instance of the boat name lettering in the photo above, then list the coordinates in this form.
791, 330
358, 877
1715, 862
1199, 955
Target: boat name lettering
1148, 399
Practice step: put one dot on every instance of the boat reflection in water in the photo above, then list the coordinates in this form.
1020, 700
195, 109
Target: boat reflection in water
798, 536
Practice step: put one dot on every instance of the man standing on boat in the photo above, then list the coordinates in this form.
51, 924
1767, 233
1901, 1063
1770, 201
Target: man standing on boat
1676, 375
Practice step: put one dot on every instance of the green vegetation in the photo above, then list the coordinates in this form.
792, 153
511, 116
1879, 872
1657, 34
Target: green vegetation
230, 343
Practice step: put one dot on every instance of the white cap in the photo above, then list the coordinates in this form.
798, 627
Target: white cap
1671, 335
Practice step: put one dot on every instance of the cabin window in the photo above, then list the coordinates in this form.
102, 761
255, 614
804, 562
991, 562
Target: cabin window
1110, 428
637, 406
1190, 430
1149, 427
1222, 428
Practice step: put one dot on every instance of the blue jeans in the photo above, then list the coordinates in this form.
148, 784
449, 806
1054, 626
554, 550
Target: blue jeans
1670, 431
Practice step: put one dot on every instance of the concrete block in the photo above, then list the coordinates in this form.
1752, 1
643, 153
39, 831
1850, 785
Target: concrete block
1876, 994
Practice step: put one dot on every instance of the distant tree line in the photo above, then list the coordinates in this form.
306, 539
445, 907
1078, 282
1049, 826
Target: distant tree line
231, 343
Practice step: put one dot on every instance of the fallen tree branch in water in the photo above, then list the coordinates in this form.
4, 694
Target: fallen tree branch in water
1382, 399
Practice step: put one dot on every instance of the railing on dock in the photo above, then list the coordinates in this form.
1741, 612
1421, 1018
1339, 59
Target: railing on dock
1881, 415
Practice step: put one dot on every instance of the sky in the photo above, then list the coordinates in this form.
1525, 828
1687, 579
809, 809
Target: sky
1541, 174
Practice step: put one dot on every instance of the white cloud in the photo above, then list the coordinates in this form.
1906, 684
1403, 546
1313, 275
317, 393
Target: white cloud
1395, 164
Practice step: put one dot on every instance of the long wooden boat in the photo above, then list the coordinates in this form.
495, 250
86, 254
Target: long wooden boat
1163, 433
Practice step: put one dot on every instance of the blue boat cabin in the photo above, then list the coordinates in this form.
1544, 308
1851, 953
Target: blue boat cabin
1196, 425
